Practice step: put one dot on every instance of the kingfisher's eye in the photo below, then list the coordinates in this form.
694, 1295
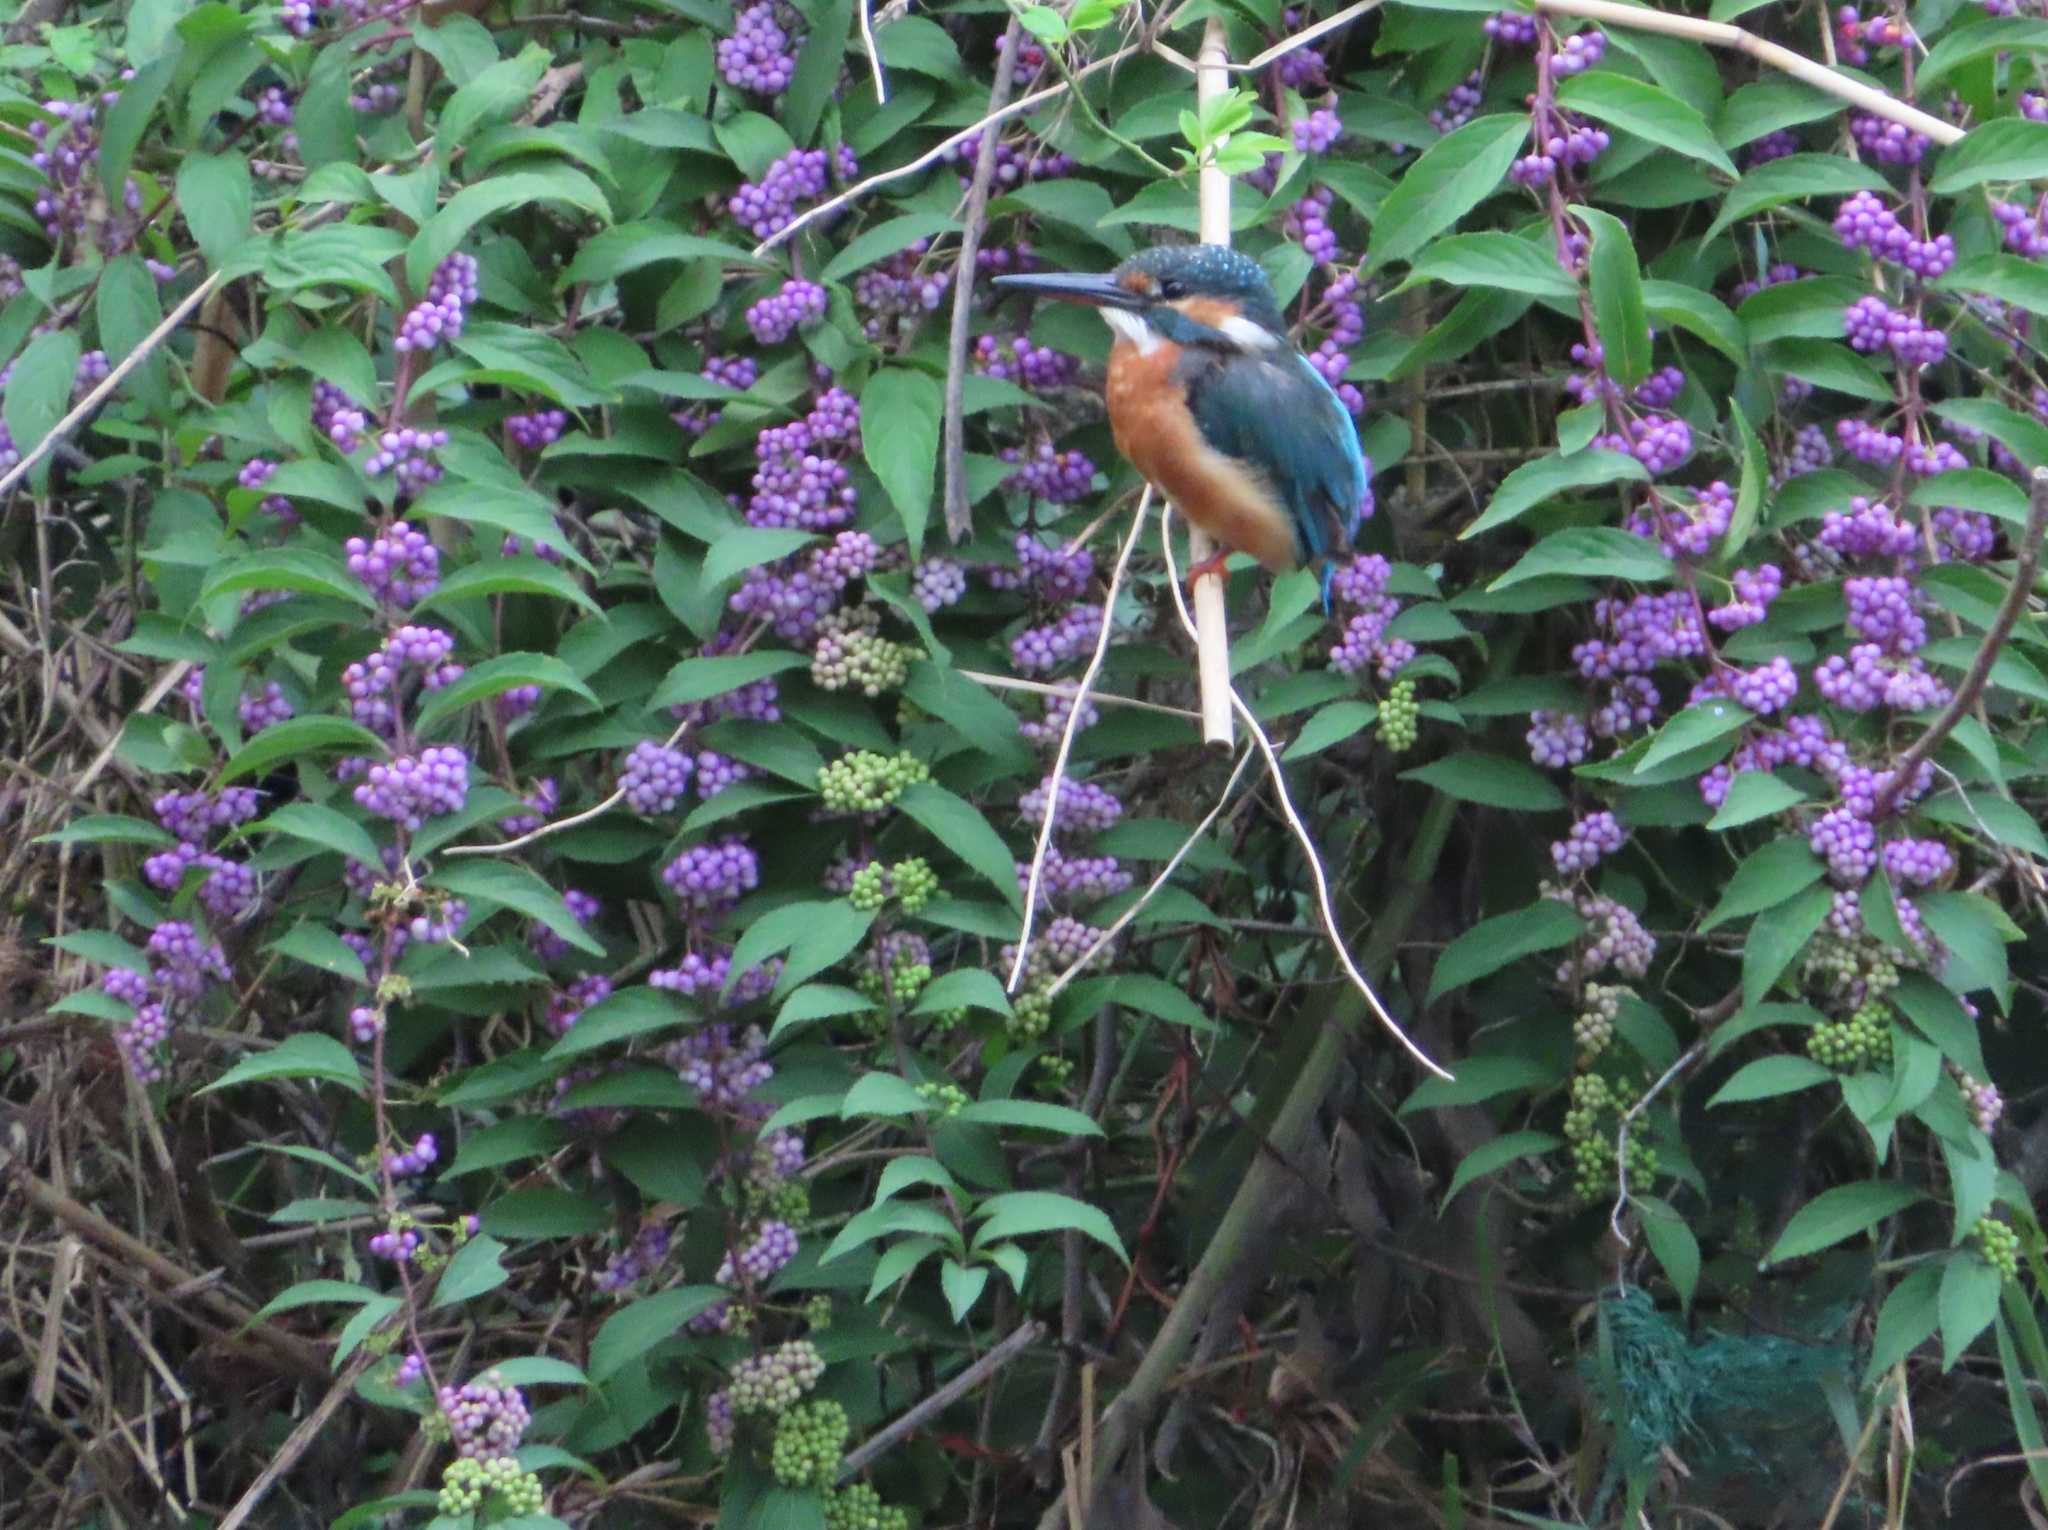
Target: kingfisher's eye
1173, 287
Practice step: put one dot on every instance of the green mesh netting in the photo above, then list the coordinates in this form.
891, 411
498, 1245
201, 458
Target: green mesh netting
1728, 1405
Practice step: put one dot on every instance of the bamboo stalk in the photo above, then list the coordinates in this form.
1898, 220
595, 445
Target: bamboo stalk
1212, 635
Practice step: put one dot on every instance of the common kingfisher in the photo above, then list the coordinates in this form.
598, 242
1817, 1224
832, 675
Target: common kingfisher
1211, 401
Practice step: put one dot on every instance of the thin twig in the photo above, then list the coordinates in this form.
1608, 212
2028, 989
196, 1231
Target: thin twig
867, 42
299, 1441
1069, 693
2026, 557
1720, 35
1166, 872
1280, 49
1325, 908
106, 385
959, 513
559, 824
1073, 726
887, 1437
1686, 1059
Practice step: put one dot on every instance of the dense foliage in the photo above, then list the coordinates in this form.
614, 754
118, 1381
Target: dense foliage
533, 685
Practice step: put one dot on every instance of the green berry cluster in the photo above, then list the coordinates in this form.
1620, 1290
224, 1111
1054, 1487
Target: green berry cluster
851, 653
946, 1099
809, 1441
1030, 1016
468, 1482
1055, 1075
1859, 970
1399, 715
1861, 1042
1595, 1026
899, 982
1999, 1245
817, 1312
866, 782
778, 1380
859, 1507
1587, 1128
911, 882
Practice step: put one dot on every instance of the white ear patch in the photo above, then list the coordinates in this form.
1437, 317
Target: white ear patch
1131, 327
1246, 335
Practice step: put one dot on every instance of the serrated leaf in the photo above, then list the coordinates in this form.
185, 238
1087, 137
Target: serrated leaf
1023, 1212
474, 1269
702, 679
1768, 1077
1492, 779
1643, 109
1033, 1115
1533, 483
1968, 1302
507, 884
1838, 1214
1694, 728
1753, 794
905, 453
1450, 178
960, 827
1493, 943
1497, 1154
1492, 260
523, 575
1775, 943
307, 1054
630, 1012
1590, 552
493, 677
2004, 149
1787, 180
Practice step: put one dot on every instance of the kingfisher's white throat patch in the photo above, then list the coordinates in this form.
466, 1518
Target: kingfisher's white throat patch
1247, 334
1132, 327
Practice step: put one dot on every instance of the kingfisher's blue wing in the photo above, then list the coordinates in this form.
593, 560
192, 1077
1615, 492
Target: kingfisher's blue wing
1276, 412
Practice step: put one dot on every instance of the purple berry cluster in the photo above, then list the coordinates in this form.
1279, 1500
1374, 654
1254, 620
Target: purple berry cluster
410, 789
1863, 222
1017, 161
487, 1417
708, 880
337, 418
760, 56
536, 431
1016, 359
1360, 589
1082, 807
1040, 650
802, 175
376, 684
654, 777
407, 454
401, 566
1054, 477
1592, 839
778, 316
440, 316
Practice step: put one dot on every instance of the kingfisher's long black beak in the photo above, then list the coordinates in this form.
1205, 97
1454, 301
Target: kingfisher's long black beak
1097, 290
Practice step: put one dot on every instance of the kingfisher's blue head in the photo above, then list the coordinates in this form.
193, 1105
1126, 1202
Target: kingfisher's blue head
1170, 290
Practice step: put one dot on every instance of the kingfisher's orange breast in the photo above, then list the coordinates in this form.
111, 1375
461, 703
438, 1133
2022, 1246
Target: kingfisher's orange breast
1149, 417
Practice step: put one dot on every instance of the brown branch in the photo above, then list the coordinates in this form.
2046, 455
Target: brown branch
887, 1437
959, 513
2027, 557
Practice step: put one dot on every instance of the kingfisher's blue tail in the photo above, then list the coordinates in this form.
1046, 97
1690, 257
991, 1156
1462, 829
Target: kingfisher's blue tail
1329, 573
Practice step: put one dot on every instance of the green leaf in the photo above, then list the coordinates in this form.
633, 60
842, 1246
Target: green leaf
309, 1293
1768, 1077
1646, 111
2004, 149
299, 736
108, 829
1533, 483
882, 1094
963, 1286
963, 988
325, 827
287, 568
901, 1174
705, 679
523, 575
507, 884
1022, 1212
218, 201
1330, 726
1698, 313
493, 677
1969, 925
1034, 1115
1827, 365
1491, 944
905, 453
1774, 943
1974, 489
960, 827
831, 935
307, 1054
886, 239
630, 1012
1492, 779
1788, 180
511, 1141
1592, 552
500, 193
1450, 178
1497, 1154
748, 547
1493, 260
1968, 1301
1907, 1319
618, 251
39, 391
1146, 993
544, 1211
318, 946
1937, 1015
493, 96
1694, 728
1480, 1079
1840, 1213
1671, 1240
1768, 877
1765, 106
477, 1267
1754, 794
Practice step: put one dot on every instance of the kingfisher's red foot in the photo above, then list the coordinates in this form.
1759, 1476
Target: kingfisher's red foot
1209, 566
